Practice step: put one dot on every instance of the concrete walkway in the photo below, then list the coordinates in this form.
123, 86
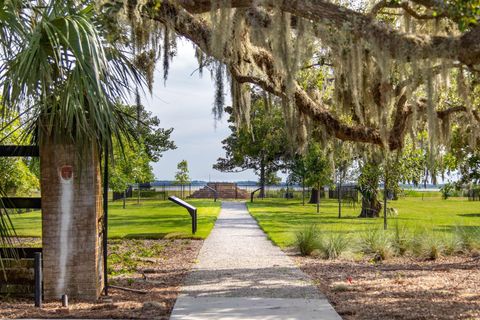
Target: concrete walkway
242, 275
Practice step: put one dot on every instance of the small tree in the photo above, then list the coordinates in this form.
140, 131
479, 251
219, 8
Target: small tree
447, 190
141, 168
118, 179
298, 172
342, 153
368, 187
182, 177
261, 146
132, 160
319, 172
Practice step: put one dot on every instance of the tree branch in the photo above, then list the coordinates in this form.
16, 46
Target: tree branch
405, 6
378, 7
262, 72
396, 44
442, 114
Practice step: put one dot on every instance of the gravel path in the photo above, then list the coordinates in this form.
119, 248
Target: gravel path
242, 275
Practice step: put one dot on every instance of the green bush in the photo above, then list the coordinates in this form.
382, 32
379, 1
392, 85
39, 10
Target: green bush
376, 242
447, 190
333, 245
307, 240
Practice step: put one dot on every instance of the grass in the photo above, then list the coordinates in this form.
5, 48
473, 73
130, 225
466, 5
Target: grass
333, 245
307, 239
281, 218
152, 219
377, 243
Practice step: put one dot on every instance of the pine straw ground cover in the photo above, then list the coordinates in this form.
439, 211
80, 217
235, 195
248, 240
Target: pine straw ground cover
399, 288
155, 266
372, 274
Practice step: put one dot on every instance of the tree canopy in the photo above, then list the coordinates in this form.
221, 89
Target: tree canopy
132, 159
387, 68
262, 147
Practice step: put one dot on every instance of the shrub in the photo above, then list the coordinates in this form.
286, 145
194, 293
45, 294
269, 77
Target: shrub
447, 190
333, 245
376, 242
307, 240
468, 237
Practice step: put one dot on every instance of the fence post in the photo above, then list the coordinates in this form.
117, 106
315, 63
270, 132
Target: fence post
194, 227
38, 279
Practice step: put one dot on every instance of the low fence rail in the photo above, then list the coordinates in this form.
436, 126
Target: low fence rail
163, 192
20, 270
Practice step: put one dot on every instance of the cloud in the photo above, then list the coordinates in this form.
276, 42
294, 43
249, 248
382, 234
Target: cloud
185, 104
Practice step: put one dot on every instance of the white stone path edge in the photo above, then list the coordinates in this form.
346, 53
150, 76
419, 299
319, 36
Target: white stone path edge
242, 275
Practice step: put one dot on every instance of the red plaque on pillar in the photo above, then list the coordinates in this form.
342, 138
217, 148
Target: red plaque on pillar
66, 172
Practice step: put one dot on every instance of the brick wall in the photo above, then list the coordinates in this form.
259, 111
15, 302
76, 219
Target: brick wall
84, 259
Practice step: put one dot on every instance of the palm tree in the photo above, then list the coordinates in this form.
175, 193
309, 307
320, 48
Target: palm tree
58, 65
9, 31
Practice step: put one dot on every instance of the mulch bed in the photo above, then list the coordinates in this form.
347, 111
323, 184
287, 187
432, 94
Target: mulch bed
401, 288
160, 276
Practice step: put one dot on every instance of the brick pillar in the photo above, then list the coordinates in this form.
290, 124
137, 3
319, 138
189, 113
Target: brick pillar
71, 222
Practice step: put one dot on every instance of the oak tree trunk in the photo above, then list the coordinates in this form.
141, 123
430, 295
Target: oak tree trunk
371, 206
314, 195
262, 180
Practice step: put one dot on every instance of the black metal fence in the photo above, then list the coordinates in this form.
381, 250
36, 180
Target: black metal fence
128, 193
162, 192
473, 194
347, 193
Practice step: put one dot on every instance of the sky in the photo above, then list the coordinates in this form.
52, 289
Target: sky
185, 104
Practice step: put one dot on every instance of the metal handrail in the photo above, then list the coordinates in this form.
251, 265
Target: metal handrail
215, 193
253, 193
191, 210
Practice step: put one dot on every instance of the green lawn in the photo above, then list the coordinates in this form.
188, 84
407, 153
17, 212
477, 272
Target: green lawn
280, 218
150, 219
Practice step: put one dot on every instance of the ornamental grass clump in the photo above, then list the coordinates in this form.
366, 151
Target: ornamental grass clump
452, 244
333, 245
401, 240
307, 240
377, 243
468, 238
428, 245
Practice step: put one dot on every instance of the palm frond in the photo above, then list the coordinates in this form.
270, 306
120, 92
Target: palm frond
76, 77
